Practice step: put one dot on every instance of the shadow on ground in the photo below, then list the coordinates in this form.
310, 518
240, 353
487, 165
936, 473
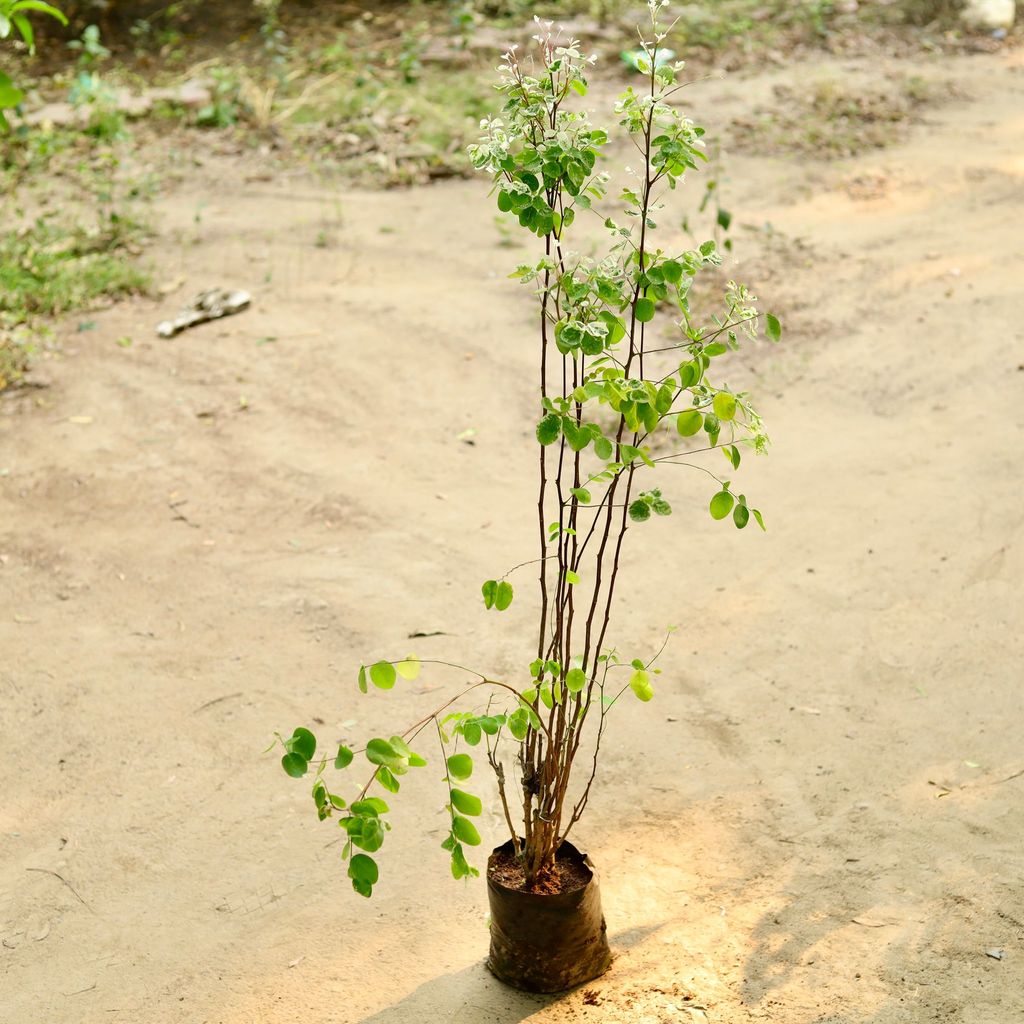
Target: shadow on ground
476, 995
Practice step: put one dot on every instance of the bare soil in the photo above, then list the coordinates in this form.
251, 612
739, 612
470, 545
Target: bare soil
568, 875
817, 821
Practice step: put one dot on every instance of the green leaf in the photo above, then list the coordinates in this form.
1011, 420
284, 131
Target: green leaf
362, 679
571, 577
460, 766
26, 31
10, 94
760, 521
578, 437
410, 668
371, 805
603, 448
644, 310
465, 830
383, 675
740, 516
640, 684
466, 802
724, 405
575, 680
380, 751
689, 374
387, 779
364, 868
344, 758
639, 511
488, 590
39, 5
518, 724
582, 495
303, 743
772, 327
295, 765
366, 833
460, 866
549, 429
721, 505
503, 595
688, 423
504, 202
471, 732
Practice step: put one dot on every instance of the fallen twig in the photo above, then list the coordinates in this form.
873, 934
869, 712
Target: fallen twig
216, 700
47, 871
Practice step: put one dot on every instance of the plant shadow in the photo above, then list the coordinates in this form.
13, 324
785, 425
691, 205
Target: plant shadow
475, 995
471, 995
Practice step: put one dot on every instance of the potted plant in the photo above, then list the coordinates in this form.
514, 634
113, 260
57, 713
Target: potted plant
615, 404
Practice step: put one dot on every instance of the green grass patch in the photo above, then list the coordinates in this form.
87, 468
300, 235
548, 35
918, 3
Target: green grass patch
47, 268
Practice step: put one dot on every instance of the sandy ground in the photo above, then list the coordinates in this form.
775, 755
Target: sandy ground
820, 817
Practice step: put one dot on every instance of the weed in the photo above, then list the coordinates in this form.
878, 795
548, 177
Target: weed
833, 120
47, 268
15, 352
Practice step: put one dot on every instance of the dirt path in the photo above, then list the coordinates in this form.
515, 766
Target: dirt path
819, 818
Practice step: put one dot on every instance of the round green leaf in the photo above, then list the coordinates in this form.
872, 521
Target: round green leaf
460, 766
380, 751
371, 805
689, 422
383, 675
575, 680
518, 723
721, 505
295, 765
303, 743
549, 428
740, 516
640, 684
364, 868
344, 758
465, 830
644, 310
772, 327
639, 511
471, 732
466, 802
503, 595
410, 668
724, 405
